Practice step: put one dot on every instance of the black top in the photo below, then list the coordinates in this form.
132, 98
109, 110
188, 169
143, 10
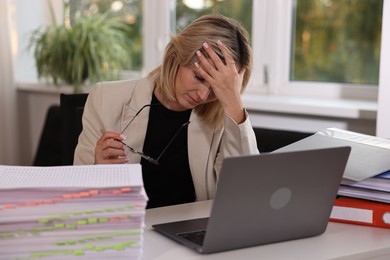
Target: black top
169, 182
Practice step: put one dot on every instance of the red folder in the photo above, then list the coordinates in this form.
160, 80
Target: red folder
361, 212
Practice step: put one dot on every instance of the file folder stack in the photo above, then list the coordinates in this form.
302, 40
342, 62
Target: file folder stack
365, 188
376, 188
365, 202
96, 212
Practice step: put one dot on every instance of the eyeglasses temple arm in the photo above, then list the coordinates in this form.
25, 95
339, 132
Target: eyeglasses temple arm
139, 111
173, 138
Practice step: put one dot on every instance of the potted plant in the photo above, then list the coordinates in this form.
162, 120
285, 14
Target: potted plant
93, 48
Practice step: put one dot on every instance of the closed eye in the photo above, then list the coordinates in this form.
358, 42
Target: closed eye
199, 78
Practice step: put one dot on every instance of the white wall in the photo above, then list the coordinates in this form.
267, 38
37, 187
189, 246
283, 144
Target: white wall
28, 16
8, 108
383, 118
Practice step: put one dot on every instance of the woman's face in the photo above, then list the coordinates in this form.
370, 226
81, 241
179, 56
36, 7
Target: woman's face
191, 89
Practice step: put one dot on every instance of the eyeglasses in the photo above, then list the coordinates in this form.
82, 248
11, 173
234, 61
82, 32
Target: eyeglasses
147, 157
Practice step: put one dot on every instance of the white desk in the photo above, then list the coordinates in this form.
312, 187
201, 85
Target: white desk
340, 241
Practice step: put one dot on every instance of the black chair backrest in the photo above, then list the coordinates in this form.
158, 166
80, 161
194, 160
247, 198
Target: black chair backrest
49, 149
269, 140
72, 108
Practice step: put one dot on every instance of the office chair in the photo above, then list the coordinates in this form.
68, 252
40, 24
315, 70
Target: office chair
49, 147
269, 140
72, 108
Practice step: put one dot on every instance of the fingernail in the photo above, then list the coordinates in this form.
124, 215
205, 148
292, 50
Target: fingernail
196, 64
198, 53
205, 45
219, 42
123, 137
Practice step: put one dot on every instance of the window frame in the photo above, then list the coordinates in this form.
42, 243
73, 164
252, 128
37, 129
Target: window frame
277, 55
271, 38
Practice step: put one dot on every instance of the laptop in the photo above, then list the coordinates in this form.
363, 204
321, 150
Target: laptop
266, 198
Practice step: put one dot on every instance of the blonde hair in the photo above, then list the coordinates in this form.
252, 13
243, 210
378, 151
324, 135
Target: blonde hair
181, 49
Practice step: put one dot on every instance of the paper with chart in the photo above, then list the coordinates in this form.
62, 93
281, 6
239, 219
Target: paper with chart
92, 211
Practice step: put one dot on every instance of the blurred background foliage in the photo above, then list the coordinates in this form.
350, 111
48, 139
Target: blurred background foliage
337, 41
131, 11
332, 40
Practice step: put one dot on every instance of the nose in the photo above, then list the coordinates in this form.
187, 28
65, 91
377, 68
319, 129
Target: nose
202, 93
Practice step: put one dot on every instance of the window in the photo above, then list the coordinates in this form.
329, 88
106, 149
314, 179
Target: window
291, 68
188, 10
336, 41
304, 48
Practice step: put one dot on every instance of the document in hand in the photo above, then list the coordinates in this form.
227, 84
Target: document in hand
63, 212
369, 154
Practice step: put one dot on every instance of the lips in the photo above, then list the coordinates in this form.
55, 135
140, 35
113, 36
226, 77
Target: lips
192, 101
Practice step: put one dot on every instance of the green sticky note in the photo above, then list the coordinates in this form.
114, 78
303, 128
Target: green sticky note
7, 235
70, 226
59, 225
89, 247
43, 220
92, 220
119, 247
78, 252
82, 222
103, 220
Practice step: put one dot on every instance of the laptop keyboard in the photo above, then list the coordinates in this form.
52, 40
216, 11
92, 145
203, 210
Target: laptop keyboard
196, 237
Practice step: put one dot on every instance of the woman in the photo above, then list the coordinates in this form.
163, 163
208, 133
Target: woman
180, 121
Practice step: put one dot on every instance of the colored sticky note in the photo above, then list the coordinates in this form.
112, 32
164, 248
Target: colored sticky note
92, 220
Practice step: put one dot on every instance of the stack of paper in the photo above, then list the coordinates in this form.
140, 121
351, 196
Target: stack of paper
70, 211
376, 188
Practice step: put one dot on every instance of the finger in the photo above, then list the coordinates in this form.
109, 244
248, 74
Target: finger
203, 73
110, 138
119, 160
113, 152
104, 154
113, 135
109, 146
217, 60
113, 144
226, 53
205, 63
204, 68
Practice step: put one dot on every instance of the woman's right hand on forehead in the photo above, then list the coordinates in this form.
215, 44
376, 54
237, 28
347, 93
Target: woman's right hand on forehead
225, 78
110, 150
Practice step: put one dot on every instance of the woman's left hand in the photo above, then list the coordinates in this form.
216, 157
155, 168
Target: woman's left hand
225, 79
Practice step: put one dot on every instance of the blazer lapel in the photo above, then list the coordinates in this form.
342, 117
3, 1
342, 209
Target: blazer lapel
134, 126
200, 144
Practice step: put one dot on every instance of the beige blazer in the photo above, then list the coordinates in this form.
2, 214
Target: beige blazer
110, 107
